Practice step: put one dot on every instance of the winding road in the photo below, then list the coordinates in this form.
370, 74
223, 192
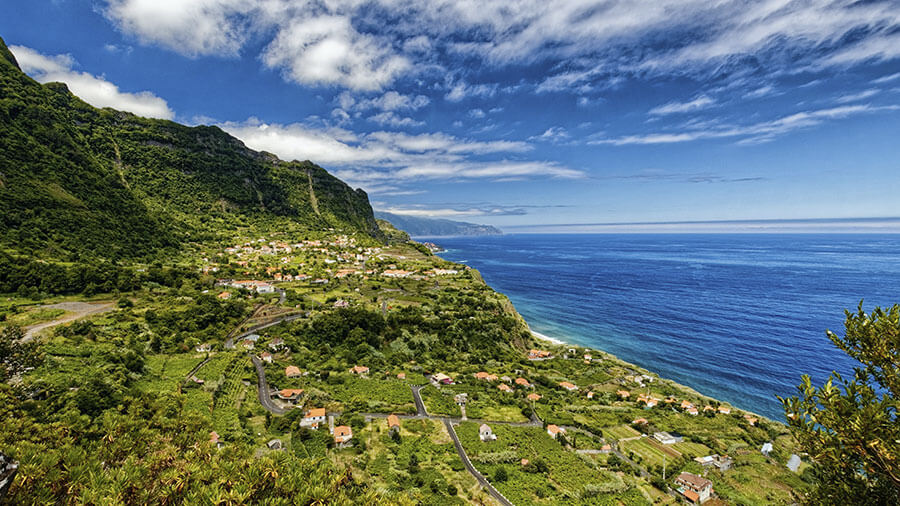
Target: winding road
76, 309
421, 413
486, 485
262, 391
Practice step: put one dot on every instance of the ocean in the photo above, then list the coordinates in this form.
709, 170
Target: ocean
738, 317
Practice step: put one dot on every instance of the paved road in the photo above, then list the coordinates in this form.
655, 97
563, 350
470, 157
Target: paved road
474, 472
262, 390
229, 343
420, 406
77, 310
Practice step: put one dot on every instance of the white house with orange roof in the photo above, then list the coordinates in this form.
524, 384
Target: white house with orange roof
313, 417
554, 430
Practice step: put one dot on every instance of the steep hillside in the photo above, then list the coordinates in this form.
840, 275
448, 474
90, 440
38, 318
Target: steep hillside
77, 182
416, 226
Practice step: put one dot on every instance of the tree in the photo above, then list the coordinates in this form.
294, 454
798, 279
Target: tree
500, 475
851, 430
15, 355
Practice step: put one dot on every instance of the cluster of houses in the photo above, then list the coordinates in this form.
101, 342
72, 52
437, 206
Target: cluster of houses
686, 406
539, 355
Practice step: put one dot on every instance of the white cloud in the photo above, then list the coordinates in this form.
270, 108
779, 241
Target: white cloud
753, 133
193, 28
696, 104
327, 50
854, 97
552, 134
887, 78
389, 101
381, 159
392, 119
461, 91
340, 42
92, 89
476, 113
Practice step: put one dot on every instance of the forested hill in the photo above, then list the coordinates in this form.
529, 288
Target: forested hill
79, 183
416, 226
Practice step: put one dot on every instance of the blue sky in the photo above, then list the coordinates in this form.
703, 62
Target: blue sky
517, 112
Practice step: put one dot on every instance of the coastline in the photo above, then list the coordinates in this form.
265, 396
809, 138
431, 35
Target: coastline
558, 342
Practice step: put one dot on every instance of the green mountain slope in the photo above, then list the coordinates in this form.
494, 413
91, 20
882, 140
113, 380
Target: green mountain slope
77, 182
424, 227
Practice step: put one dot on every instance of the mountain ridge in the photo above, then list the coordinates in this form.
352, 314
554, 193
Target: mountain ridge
436, 227
80, 182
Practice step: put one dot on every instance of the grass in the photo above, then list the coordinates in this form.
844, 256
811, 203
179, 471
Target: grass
620, 432
570, 479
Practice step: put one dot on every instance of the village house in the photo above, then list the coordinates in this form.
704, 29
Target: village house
252, 337
461, 399
313, 417
539, 355
204, 348
554, 430
441, 379
725, 410
396, 273
247, 344
485, 433
667, 438
292, 371
766, 449
751, 419
275, 444
341, 303
693, 411
266, 357
590, 395
393, 422
623, 394
695, 489
522, 382
359, 369
276, 344
568, 386
685, 404
503, 387
481, 375
401, 375
224, 296
291, 395
722, 463
534, 397
639, 421
342, 435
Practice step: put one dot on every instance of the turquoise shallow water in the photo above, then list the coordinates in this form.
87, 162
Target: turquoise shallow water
737, 317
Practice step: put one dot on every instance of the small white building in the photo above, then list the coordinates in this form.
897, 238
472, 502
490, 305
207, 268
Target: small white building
668, 439
485, 433
766, 449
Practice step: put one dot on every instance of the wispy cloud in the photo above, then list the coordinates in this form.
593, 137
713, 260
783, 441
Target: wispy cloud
752, 133
379, 158
463, 210
334, 42
701, 102
94, 90
856, 97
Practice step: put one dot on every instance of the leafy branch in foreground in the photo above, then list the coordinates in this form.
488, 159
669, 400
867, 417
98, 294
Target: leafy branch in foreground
849, 427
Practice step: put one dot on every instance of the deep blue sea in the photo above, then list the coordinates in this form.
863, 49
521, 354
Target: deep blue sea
737, 317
